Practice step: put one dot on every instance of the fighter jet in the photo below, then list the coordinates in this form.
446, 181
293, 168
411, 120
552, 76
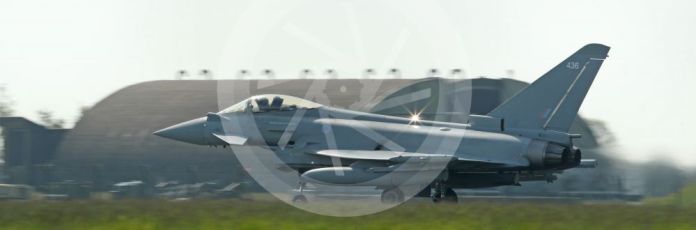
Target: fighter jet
524, 139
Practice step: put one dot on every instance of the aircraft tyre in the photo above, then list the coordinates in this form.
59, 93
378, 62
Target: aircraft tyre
392, 196
448, 196
299, 199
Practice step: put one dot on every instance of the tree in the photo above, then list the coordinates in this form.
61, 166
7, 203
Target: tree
46, 117
661, 177
5, 110
5, 103
601, 131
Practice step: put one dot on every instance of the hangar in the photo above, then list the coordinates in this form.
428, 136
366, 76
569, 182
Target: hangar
113, 142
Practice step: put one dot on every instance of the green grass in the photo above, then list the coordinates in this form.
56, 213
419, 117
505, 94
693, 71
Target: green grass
685, 197
237, 214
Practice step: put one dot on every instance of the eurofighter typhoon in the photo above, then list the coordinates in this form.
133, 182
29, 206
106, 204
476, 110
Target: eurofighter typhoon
524, 139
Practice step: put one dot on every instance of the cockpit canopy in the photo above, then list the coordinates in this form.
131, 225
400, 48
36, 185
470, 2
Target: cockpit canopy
271, 102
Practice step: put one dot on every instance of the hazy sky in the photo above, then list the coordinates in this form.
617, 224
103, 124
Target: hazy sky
60, 55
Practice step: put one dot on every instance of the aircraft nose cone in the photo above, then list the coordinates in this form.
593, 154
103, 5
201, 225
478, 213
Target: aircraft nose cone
192, 131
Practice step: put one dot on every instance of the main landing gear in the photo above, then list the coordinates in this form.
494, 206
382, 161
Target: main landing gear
444, 194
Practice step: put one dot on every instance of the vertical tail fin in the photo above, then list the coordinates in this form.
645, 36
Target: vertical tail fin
552, 101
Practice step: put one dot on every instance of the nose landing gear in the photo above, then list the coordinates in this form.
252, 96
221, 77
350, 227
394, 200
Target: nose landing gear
300, 198
392, 196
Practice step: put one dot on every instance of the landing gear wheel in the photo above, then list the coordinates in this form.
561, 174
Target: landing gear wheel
444, 194
392, 196
299, 199
450, 196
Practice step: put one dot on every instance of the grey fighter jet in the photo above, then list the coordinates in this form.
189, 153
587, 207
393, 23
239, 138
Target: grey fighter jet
525, 138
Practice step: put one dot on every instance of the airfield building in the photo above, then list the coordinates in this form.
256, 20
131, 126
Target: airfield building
113, 141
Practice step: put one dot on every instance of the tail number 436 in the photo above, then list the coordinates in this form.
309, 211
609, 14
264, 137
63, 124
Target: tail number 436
573, 65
